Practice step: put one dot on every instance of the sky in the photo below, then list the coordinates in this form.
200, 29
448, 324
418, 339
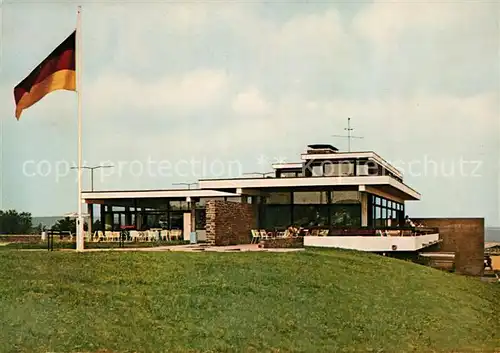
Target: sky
177, 91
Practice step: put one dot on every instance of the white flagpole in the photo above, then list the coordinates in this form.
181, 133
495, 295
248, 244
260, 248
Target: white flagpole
80, 221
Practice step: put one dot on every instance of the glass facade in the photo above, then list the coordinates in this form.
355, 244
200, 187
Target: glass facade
329, 209
311, 209
383, 212
164, 214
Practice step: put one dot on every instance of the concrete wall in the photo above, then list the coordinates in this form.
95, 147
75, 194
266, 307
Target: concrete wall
371, 243
229, 223
464, 237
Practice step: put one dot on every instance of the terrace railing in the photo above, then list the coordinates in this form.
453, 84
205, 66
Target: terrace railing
364, 231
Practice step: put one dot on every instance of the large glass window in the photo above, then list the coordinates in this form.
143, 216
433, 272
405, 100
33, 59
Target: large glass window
310, 215
179, 205
345, 197
345, 215
200, 216
310, 197
279, 198
317, 170
276, 216
176, 220
362, 169
385, 212
311, 209
201, 203
339, 169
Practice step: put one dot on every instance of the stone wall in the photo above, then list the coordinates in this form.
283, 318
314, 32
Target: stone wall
229, 223
464, 237
280, 243
20, 238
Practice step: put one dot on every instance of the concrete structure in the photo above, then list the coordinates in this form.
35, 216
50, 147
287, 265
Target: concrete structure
327, 188
356, 193
375, 243
465, 238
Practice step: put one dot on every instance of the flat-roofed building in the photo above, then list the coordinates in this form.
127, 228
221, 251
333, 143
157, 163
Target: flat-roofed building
328, 189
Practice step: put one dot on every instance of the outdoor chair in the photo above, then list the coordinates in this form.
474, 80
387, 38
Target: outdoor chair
152, 235
111, 236
324, 232
164, 235
255, 236
134, 235
175, 233
264, 234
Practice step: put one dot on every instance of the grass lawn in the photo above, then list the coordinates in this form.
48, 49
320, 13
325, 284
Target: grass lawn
311, 301
88, 245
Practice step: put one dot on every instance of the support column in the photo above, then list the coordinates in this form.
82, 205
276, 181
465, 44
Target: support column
192, 209
103, 217
364, 209
90, 210
128, 216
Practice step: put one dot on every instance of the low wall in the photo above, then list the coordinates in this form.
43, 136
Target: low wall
20, 238
282, 243
229, 223
464, 237
442, 261
371, 243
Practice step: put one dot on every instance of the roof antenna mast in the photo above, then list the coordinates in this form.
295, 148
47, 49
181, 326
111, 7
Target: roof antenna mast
349, 136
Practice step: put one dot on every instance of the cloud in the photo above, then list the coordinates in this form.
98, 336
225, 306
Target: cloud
250, 102
386, 22
192, 91
432, 46
310, 35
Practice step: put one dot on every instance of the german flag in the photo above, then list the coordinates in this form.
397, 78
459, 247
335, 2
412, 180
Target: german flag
56, 72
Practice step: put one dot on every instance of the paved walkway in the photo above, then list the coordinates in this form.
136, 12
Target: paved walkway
196, 248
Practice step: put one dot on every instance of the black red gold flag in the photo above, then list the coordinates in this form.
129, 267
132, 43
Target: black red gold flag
56, 72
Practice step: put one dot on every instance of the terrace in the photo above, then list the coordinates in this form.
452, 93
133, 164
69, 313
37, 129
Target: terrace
383, 239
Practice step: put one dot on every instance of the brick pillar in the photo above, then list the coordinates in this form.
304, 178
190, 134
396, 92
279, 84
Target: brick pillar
210, 222
228, 223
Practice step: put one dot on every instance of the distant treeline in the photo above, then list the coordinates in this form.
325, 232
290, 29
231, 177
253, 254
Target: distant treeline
14, 222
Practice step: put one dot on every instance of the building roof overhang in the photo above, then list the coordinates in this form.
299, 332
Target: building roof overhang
297, 165
400, 189
168, 194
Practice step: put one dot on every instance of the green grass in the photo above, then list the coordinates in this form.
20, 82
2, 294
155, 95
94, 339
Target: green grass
311, 301
90, 245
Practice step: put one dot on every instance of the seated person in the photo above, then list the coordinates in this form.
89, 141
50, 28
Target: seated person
409, 222
488, 262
